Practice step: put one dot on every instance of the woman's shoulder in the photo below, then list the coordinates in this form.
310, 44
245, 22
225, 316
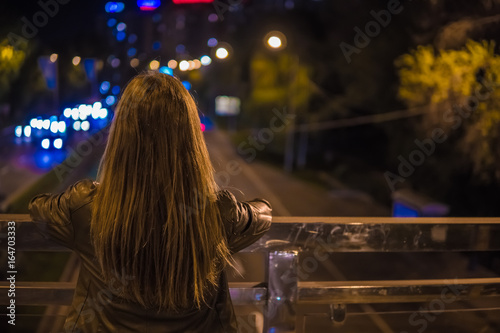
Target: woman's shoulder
82, 192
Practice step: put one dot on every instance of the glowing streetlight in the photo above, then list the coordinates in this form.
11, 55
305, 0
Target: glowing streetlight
53, 57
221, 53
76, 60
275, 40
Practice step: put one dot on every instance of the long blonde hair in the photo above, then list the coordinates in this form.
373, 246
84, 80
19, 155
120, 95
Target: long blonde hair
155, 216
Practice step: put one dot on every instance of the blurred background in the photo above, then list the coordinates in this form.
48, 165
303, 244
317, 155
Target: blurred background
326, 108
371, 98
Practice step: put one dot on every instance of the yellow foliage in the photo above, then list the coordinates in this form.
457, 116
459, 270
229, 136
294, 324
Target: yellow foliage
11, 61
449, 78
279, 81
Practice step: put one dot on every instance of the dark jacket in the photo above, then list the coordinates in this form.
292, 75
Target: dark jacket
96, 306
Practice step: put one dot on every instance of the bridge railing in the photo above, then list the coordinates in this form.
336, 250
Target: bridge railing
295, 247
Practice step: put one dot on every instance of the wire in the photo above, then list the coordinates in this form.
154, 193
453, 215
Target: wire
363, 120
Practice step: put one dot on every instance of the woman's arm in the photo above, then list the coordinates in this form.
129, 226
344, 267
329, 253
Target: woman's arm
245, 222
54, 211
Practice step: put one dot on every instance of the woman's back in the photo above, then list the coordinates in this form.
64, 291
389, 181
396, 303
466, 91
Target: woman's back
156, 222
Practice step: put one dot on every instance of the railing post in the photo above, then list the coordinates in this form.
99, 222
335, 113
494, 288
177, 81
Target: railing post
282, 301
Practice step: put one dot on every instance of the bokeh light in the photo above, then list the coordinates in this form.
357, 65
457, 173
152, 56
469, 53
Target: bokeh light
134, 62
154, 65
184, 65
205, 60
58, 143
212, 42
221, 53
172, 63
166, 70
45, 143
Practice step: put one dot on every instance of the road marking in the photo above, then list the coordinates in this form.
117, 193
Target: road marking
223, 153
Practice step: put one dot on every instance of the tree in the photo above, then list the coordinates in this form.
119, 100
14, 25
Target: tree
11, 61
461, 89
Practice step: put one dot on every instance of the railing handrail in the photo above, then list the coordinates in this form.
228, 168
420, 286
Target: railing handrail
283, 291
20, 218
332, 234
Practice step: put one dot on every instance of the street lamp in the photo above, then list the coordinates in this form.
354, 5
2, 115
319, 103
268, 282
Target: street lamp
275, 40
221, 53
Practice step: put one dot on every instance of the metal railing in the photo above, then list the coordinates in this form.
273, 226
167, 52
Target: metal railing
313, 239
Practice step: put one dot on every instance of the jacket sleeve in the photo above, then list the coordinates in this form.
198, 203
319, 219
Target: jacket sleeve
245, 222
52, 212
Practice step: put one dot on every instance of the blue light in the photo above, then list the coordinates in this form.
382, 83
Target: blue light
76, 125
114, 7
75, 114
67, 112
212, 42
132, 38
111, 22
33, 122
115, 90
180, 48
54, 127
205, 60
85, 125
120, 36
104, 88
121, 26
46, 159
58, 143
148, 5
402, 210
157, 18
132, 52
187, 85
103, 113
19, 131
62, 127
53, 118
166, 70
46, 124
45, 143
110, 100
156, 46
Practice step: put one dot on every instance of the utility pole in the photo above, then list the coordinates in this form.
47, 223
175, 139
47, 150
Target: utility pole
290, 136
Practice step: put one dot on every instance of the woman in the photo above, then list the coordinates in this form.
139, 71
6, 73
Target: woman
155, 233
